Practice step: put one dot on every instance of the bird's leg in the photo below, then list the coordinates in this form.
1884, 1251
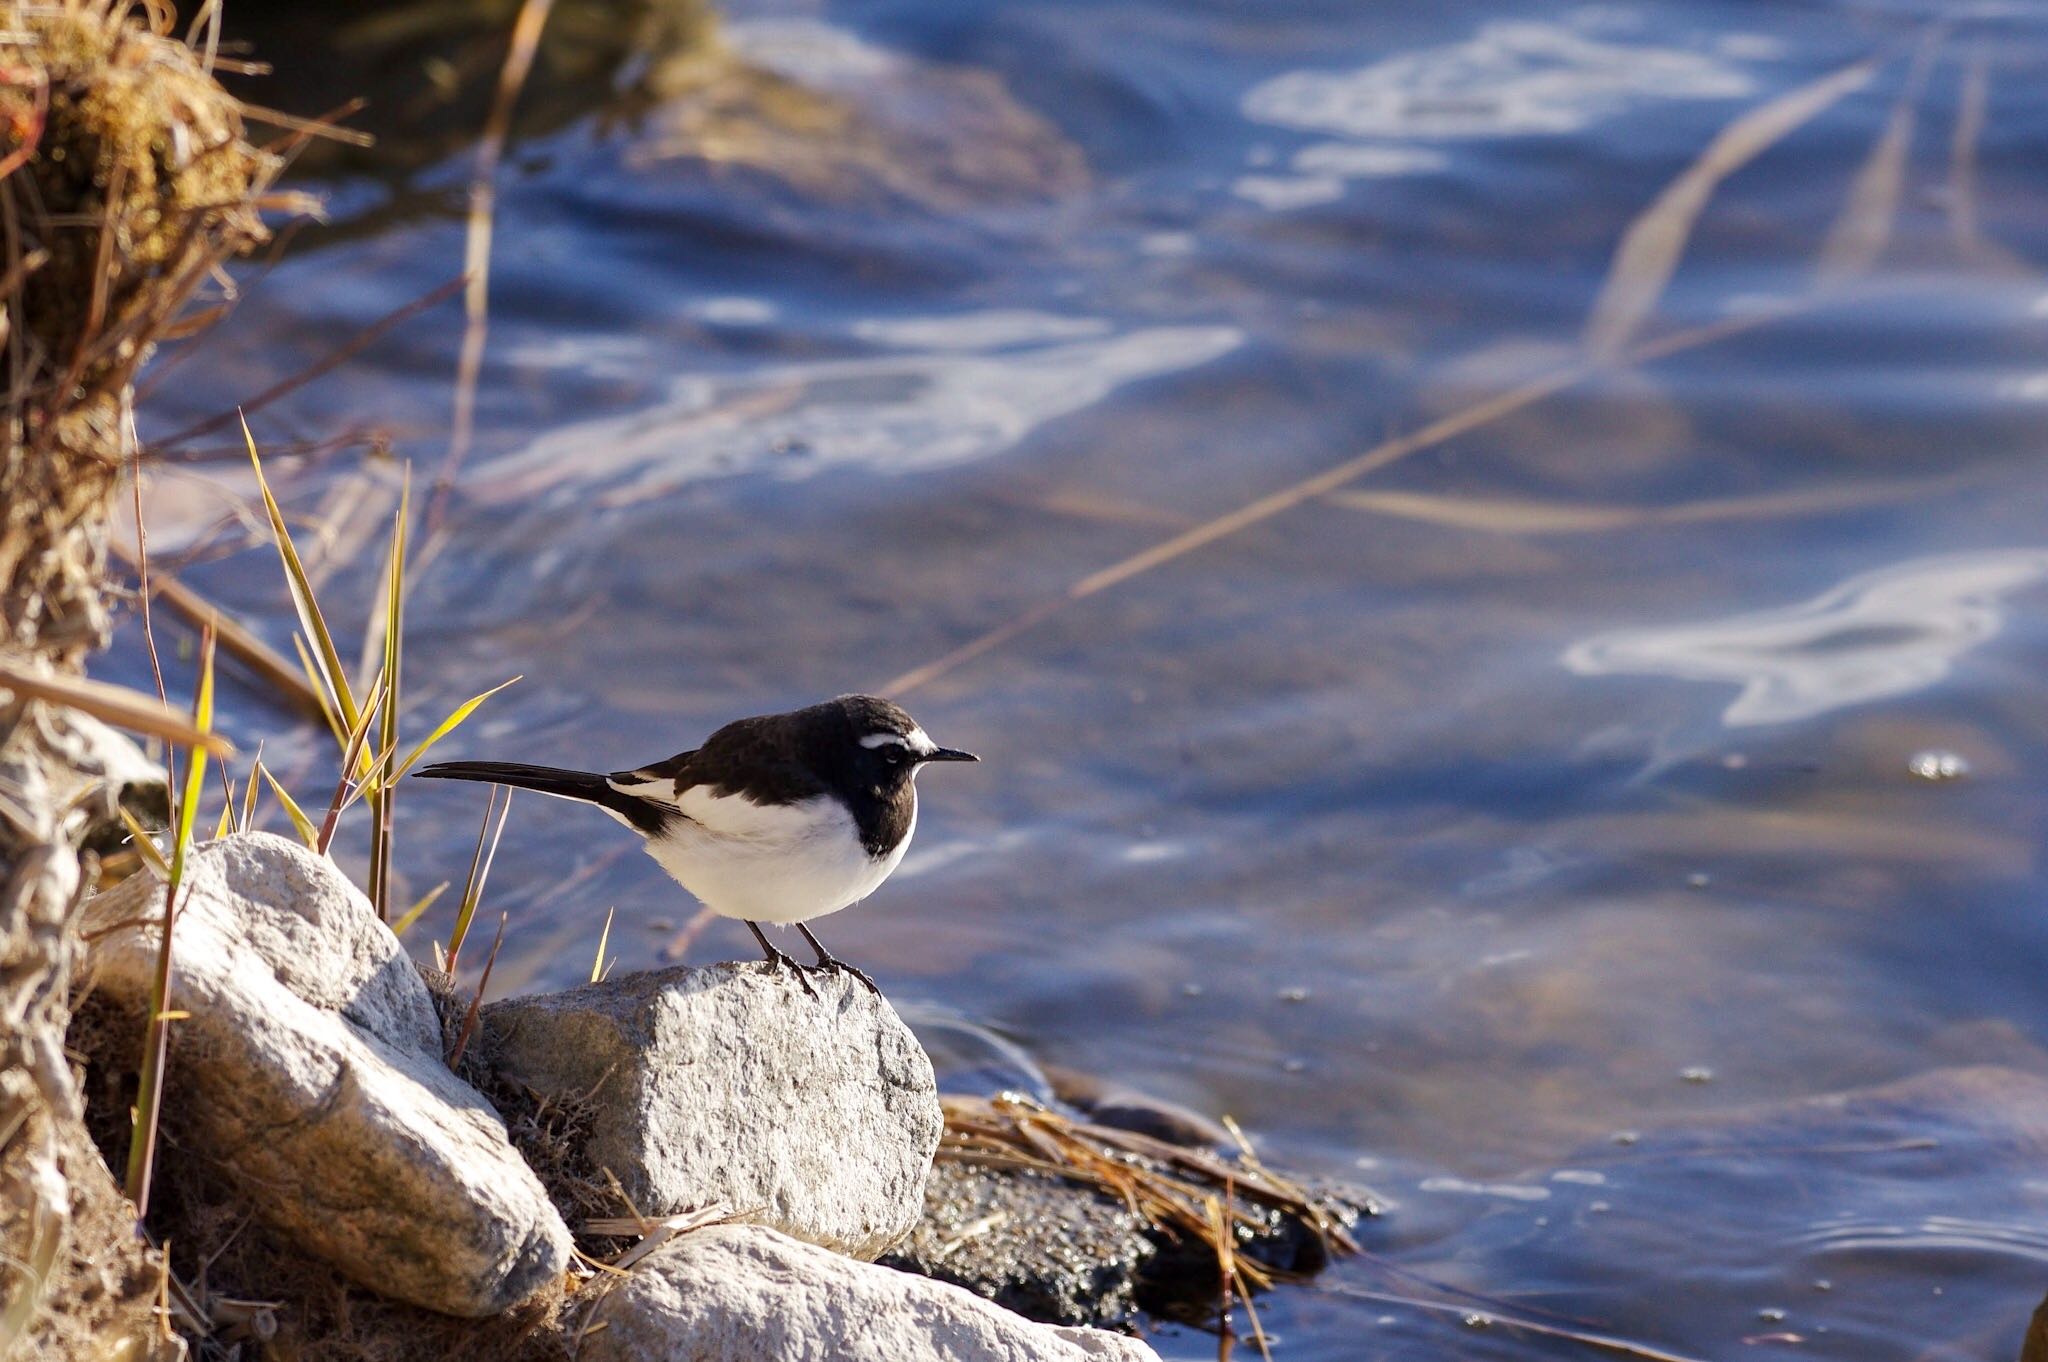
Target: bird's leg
832, 964
779, 960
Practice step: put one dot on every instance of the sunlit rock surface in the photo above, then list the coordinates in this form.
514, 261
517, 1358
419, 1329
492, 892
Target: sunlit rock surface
731, 1085
309, 1071
736, 1293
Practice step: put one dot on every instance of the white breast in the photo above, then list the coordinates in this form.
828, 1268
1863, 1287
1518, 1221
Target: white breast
770, 862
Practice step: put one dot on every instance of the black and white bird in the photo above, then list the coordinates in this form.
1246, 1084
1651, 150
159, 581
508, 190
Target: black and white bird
780, 818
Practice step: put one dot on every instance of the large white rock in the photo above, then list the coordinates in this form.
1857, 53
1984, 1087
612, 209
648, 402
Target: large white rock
731, 1085
741, 1293
310, 1071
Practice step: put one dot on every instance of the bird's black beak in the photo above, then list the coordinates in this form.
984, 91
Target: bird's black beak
949, 754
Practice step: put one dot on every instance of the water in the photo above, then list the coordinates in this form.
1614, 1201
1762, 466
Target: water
1536, 828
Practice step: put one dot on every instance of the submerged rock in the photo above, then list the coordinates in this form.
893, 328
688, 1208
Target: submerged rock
744, 1292
731, 1085
310, 1074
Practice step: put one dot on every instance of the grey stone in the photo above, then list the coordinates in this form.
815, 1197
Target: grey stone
1043, 1247
310, 1072
730, 1084
740, 1293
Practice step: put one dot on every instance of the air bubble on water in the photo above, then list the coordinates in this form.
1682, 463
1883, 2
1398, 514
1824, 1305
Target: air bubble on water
1937, 765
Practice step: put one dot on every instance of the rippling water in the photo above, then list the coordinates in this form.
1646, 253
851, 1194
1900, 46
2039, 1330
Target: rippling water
1537, 826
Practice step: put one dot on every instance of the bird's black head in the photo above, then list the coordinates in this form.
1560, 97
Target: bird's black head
877, 744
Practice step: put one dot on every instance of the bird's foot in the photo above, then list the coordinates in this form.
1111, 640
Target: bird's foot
832, 964
777, 960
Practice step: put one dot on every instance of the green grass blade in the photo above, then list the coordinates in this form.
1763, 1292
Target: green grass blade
255, 787
319, 691
479, 871
382, 796
195, 775
156, 1038
145, 845
302, 825
353, 757
303, 599
413, 913
597, 969
447, 726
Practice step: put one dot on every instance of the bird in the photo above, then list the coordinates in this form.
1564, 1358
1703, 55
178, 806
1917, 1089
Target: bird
779, 818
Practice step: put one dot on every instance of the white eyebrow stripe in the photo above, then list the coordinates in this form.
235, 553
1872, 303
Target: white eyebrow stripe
915, 741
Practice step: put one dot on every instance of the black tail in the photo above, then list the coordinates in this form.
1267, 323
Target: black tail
586, 786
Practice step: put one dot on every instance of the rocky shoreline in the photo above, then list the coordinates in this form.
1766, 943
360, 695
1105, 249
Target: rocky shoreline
312, 1078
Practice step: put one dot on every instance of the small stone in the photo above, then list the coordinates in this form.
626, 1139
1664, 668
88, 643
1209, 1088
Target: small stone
731, 1085
1698, 1073
309, 1071
1294, 993
740, 1293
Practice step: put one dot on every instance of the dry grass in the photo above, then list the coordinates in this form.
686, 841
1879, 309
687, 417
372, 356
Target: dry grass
1197, 1199
126, 177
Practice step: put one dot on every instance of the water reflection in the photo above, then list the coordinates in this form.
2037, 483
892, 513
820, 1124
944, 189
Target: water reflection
1511, 78
944, 390
1882, 633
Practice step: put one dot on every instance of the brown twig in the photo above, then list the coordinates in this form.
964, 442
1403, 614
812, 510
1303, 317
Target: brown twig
483, 199
1607, 1343
348, 350
235, 638
476, 1003
1462, 422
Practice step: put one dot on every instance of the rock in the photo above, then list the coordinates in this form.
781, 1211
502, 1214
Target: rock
1043, 1247
744, 1292
730, 1084
310, 1073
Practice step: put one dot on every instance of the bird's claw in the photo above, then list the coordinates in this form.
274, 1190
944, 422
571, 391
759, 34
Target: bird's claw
780, 961
832, 964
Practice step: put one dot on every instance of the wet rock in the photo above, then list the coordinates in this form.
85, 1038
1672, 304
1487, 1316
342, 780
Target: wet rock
1113, 1104
310, 1074
1045, 1248
744, 1292
730, 1084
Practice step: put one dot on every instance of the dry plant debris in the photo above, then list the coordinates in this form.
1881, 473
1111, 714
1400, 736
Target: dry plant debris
1188, 1194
